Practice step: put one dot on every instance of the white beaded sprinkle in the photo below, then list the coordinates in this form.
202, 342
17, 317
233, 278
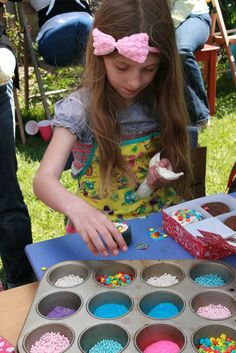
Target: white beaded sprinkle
69, 281
164, 280
212, 311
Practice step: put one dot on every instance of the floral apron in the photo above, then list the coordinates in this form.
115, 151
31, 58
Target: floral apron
120, 204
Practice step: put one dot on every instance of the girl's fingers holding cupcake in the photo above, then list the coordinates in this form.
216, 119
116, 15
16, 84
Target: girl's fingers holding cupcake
94, 237
109, 236
89, 243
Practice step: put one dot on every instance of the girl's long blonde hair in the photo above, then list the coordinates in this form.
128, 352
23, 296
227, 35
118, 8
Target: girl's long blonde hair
121, 18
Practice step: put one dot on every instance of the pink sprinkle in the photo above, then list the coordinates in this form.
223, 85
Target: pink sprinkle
212, 311
163, 346
50, 342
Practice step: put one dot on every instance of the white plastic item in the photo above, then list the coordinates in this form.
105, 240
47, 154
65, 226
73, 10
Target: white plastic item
31, 127
144, 190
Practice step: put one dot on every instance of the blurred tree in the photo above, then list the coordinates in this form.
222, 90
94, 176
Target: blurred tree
228, 8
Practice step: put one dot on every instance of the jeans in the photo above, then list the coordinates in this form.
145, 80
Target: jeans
191, 35
65, 44
15, 226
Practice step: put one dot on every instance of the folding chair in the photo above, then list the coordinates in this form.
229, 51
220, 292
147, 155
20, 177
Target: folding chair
25, 10
208, 54
224, 37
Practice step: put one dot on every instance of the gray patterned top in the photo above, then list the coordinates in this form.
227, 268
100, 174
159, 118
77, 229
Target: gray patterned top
72, 113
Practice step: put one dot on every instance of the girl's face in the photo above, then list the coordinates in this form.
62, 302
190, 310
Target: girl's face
128, 77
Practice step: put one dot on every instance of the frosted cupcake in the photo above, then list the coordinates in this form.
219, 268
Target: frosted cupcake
186, 216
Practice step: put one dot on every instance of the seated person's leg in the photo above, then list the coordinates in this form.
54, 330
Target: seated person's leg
191, 35
15, 227
65, 44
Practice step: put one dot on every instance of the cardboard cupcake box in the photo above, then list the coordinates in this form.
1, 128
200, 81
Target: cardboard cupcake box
208, 238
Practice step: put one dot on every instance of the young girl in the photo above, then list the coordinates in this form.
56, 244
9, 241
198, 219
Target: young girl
129, 107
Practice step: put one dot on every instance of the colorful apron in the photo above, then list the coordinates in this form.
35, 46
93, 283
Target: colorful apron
120, 204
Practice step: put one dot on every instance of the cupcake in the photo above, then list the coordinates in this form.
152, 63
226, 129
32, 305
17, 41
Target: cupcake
125, 231
215, 208
186, 216
231, 222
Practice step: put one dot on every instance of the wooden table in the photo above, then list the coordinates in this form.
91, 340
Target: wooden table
14, 307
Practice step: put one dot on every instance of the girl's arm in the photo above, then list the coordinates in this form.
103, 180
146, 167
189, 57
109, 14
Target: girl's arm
93, 226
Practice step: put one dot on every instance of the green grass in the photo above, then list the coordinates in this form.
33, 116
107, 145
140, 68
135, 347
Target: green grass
46, 223
220, 140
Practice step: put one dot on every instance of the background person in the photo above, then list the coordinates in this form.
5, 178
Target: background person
15, 225
64, 26
192, 22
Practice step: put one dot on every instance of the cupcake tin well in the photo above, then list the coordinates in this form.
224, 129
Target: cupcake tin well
134, 330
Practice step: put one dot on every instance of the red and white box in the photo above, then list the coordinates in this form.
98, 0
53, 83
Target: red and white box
208, 238
5, 346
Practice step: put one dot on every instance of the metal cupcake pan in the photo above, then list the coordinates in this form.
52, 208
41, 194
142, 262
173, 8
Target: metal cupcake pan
135, 329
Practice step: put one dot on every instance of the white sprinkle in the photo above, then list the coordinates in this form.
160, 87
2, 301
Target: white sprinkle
69, 281
164, 280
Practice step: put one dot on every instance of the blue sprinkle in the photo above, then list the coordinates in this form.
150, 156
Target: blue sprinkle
163, 311
106, 346
210, 280
109, 311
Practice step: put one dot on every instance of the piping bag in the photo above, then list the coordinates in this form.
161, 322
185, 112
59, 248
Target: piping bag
144, 190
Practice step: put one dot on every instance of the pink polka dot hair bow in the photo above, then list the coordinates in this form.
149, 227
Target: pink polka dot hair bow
134, 47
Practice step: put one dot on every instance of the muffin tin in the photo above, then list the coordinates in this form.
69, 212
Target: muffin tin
134, 330
207, 237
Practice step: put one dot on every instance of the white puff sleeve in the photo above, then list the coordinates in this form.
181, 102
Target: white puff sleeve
72, 113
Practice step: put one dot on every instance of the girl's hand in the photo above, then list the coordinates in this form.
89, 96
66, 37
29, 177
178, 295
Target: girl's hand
154, 180
96, 230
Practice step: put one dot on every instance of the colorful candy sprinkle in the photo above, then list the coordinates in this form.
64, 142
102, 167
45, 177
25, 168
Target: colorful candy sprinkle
119, 279
222, 344
186, 216
157, 234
